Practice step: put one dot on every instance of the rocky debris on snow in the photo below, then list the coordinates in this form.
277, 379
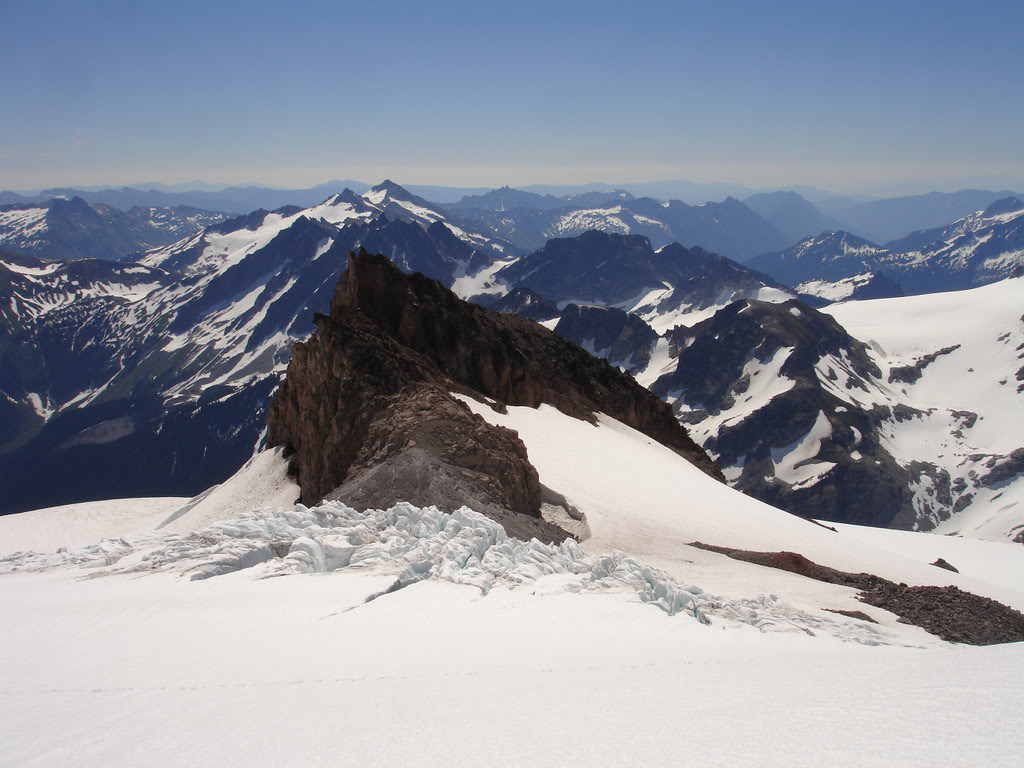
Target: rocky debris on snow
948, 612
942, 563
908, 374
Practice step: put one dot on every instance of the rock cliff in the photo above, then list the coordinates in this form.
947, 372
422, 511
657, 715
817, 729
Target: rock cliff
366, 403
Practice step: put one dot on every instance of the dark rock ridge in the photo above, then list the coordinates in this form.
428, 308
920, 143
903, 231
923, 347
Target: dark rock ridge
366, 403
620, 338
527, 303
949, 612
911, 373
859, 480
610, 269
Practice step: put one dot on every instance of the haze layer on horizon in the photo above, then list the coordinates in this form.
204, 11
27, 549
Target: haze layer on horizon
851, 97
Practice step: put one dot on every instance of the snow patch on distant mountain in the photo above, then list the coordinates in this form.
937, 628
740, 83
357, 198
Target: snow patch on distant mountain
20, 227
961, 433
834, 290
975, 250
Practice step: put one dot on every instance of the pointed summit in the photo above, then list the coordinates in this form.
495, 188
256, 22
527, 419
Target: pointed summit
391, 188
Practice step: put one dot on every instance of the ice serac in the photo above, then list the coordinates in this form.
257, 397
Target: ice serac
366, 403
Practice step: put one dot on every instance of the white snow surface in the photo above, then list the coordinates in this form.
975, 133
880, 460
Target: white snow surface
299, 670
75, 525
982, 334
22, 227
253, 632
647, 501
263, 481
658, 309
997, 562
794, 463
834, 290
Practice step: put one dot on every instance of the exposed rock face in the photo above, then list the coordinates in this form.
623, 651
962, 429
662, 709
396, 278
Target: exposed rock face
620, 338
718, 389
366, 402
527, 303
427, 448
611, 269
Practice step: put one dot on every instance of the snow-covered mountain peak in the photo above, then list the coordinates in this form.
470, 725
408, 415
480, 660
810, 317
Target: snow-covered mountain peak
386, 190
838, 244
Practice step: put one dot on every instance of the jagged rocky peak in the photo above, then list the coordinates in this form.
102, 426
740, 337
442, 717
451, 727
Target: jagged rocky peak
527, 303
767, 389
367, 403
388, 189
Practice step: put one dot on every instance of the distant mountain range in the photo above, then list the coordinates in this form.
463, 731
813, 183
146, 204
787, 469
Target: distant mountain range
891, 218
122, 375
73, 229
762, 222
980, 248
111, 372
833, 414
234, 199
728, 227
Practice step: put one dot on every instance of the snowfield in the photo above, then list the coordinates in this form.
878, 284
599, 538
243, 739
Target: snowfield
238, 628
242, 630
300, 671
76, 525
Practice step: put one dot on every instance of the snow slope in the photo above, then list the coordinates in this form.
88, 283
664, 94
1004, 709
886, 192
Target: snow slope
299, 671
643, 499
241, 634
74, 525
969, 405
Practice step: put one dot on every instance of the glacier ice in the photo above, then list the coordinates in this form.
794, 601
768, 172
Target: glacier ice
415, 544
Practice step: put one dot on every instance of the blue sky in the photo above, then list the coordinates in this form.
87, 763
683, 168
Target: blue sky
838, 94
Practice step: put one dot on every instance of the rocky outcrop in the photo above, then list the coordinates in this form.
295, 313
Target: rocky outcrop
527, 303
620, 338
719, 390
427, 448
949, 612
909, 374
367, 409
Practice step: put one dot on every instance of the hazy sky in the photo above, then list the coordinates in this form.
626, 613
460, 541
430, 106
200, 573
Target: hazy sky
838, 94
